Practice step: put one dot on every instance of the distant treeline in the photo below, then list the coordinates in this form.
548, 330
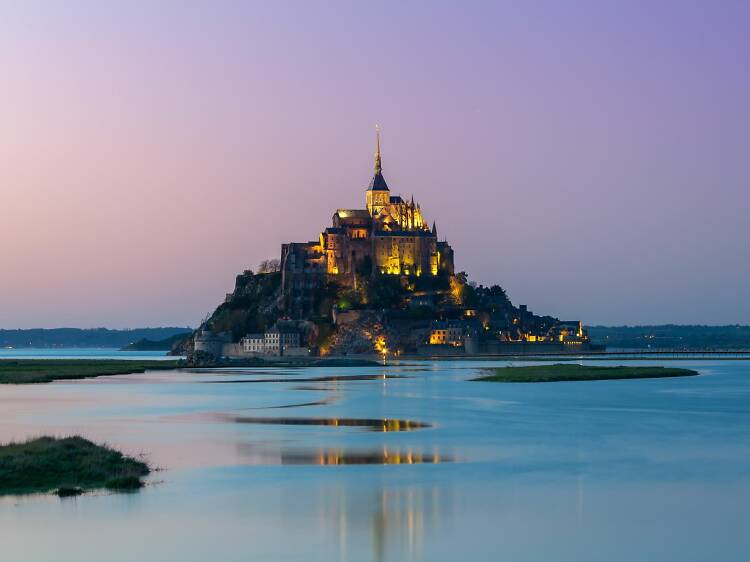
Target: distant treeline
77, 337
167, 344
670, 336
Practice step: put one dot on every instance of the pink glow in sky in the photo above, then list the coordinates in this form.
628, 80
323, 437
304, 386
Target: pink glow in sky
591, 157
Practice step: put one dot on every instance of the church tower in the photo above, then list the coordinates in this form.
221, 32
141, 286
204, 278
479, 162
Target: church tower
378, 196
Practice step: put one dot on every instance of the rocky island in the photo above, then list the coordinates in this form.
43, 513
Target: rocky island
377, 281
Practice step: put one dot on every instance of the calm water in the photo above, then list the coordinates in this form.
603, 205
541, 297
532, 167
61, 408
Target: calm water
398, 463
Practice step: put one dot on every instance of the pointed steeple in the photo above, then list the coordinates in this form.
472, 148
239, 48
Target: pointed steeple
434, 229
378, 181
378, 163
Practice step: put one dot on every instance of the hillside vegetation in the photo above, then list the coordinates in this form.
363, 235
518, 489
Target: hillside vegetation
252, 307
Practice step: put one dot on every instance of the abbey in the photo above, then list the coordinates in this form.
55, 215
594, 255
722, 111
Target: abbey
388, 237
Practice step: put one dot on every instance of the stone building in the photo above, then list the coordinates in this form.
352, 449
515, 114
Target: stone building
447, 333
280, 339
390, 236
253, 343
208, 342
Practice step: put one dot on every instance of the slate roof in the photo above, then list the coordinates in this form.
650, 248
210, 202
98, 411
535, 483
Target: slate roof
377, 183
283, 329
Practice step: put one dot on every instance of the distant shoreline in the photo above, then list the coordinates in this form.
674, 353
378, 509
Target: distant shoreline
44, 338
650, 337
590, 356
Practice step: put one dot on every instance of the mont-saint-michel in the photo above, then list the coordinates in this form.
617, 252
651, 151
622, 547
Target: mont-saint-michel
237, 324
378, 280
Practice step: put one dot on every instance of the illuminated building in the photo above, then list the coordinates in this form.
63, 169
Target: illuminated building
390, 236
447, 333
570, 332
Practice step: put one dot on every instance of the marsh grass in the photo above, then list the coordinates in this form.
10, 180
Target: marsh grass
68, 466
29, 371
573, 372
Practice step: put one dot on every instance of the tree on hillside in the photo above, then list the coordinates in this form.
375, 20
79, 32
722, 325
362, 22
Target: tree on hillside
385, 291
269, 266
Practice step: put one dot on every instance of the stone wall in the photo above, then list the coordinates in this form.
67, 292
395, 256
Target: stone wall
236, 351
440, 350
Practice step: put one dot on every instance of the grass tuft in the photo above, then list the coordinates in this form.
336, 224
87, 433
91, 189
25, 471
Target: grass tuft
68, 466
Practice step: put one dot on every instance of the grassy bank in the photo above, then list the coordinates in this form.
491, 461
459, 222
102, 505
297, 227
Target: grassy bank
66, 466
573, 372
26, 371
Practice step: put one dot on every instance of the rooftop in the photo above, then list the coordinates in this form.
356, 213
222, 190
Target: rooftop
353, 213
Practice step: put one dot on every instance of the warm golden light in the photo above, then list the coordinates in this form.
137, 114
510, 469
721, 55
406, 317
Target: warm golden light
456, 290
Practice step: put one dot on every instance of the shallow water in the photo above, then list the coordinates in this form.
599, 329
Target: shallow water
652, 470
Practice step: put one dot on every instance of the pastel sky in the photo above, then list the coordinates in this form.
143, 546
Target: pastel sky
590, 157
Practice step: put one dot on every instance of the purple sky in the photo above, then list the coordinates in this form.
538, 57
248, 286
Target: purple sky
590, 157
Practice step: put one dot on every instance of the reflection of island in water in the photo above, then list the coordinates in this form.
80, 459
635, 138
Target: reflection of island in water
384, 425
265, 455
347, 510
396, 518
343, 457
399, 521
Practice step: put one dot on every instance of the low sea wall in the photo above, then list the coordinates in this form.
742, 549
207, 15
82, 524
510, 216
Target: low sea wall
236, 351
474, 348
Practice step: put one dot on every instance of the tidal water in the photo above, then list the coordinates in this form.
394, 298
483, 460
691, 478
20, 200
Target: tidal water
398, 463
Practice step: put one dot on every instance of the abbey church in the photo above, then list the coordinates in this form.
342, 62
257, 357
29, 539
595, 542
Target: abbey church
388, 237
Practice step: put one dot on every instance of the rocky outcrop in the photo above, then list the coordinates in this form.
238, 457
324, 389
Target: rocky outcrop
373, 332
362, 335
200, 359
252, 307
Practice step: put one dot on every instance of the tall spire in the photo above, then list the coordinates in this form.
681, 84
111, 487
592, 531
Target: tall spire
378, 181
378, 164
